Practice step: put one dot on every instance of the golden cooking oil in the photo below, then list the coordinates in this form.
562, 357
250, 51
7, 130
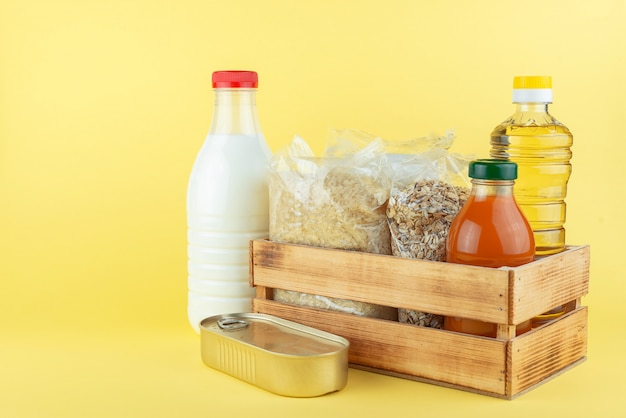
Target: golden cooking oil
541, 147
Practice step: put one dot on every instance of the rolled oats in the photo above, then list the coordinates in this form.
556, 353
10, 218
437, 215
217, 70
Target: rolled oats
419, 217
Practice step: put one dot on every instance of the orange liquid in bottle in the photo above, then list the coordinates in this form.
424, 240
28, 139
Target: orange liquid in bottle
489, 231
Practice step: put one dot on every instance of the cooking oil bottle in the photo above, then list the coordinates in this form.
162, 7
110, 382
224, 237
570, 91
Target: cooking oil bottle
541, 147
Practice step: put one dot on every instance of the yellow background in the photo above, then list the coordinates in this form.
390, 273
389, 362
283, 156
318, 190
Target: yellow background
104, 105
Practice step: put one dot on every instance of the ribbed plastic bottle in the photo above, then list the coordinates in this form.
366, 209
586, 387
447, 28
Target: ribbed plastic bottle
541, 147
227, 201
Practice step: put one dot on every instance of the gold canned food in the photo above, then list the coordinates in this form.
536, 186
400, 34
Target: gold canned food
274, 354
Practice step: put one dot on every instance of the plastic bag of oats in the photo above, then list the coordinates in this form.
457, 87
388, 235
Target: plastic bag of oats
427, 192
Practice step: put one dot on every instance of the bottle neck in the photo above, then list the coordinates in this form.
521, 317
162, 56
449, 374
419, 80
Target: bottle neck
235, 112
532, 107
484, 188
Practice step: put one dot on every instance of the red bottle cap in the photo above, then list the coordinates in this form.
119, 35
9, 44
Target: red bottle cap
235, 79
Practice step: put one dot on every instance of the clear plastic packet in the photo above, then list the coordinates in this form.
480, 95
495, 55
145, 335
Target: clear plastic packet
334, 304
334, 201
427, 192
341, 141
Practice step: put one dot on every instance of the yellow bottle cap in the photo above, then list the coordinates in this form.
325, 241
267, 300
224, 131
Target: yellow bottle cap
532, 89
532, 82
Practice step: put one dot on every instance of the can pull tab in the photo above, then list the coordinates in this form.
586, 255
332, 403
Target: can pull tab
231, 324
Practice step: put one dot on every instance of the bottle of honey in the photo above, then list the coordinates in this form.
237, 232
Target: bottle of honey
489, 231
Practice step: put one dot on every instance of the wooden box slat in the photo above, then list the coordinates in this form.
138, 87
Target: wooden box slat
539, 355
383, 280
438, 355
549, 282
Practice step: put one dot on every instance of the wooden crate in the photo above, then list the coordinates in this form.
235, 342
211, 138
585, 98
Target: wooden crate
503, 367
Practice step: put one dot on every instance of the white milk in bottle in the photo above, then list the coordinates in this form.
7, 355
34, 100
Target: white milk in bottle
227, 201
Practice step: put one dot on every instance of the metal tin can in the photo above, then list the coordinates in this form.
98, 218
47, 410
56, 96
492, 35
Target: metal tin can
274, 354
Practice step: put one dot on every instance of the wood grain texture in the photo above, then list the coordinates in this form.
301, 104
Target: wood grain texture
457, 359
503, 367
547, 283
534, 357
435, 287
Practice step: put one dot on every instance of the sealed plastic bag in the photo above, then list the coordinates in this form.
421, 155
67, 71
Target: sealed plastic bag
334, 201
428, 190
423, 202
